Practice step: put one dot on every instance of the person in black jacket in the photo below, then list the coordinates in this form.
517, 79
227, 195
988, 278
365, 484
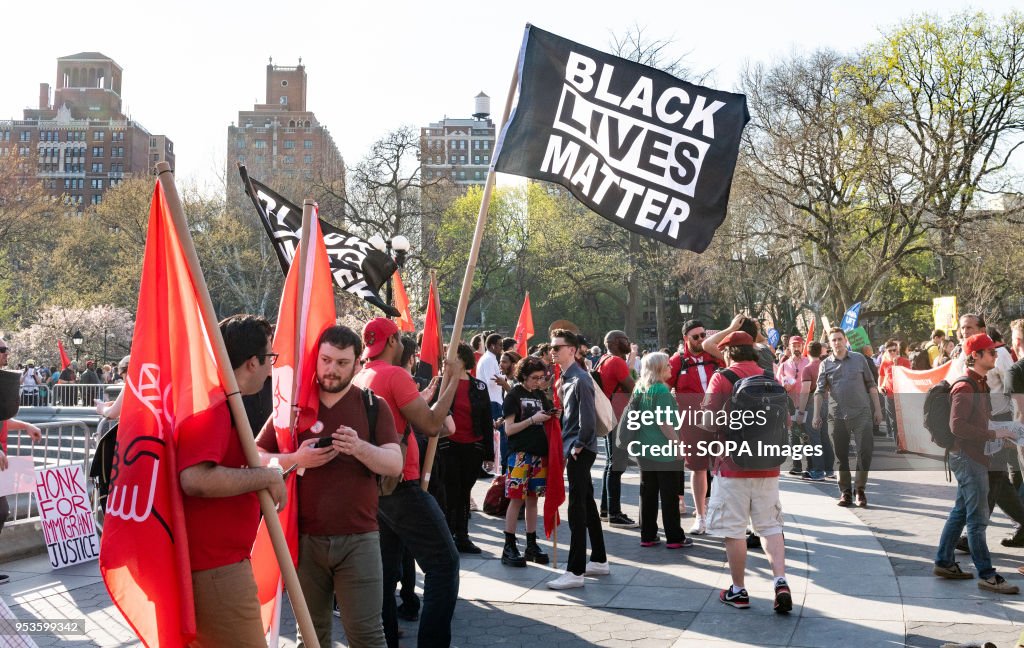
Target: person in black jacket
463, 452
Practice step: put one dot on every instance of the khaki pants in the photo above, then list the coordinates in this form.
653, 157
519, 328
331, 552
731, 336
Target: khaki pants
227, 608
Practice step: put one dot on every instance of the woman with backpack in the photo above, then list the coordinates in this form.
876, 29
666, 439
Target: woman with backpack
660, 471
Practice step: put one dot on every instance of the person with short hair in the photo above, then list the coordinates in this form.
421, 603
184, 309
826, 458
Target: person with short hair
526, 409
819, 467
935, 346
886, 383
615, 379
579, 445
739, 496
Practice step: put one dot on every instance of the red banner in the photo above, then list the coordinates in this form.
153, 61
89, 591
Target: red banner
524, 327
144, 554
430, 348
306, 311
65, 361
405, 323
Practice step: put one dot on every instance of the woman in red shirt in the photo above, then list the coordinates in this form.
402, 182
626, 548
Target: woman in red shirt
886, 386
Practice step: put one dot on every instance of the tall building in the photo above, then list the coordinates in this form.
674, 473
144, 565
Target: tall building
82, 143
459, 149
281, 138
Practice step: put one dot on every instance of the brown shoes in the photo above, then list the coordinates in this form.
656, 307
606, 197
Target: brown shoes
952, 572
862, 499
846, 499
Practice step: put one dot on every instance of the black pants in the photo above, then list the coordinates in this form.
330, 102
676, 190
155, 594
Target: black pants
583, 516
660, 481
461, 463
611, 484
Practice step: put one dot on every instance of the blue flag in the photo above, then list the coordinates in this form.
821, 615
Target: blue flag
851, 317
774, 337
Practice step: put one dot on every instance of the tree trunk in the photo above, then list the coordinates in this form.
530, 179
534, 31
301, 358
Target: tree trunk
633, 304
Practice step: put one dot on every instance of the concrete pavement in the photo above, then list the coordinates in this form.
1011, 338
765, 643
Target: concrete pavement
860, 577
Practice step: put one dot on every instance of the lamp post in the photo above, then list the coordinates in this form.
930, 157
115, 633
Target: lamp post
397, 248
685, 306
77, 340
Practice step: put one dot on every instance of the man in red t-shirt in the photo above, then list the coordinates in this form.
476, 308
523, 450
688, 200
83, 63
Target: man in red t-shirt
692, 369
222, 510
740, 496
409, 516
339, 543
617, 385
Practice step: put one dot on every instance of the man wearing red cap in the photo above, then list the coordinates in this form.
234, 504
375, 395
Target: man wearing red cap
740, 496
409, 516
969, 422
788, 374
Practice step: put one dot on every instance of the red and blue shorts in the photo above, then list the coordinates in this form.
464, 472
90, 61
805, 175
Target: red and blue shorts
527, 475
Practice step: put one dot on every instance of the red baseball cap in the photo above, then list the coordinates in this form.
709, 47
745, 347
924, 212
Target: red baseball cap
796, 338
979, 342
376, 334
736, 338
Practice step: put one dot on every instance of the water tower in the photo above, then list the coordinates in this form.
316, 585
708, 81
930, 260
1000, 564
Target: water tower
482, 106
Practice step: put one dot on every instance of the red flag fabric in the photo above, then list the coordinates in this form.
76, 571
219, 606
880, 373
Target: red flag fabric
144, 557
305, 312
430, 349
810, 338
65, 361
524, 328
405, 324
554, 493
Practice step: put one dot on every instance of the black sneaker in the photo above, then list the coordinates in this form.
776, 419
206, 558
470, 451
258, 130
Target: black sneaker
534, 554
783, 598
962, 546
738, 599
4, 578
511, 557
621, 521
1016, 540
466, 546
753, 541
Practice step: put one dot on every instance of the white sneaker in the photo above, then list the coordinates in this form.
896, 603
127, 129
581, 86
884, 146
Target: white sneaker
700, 526
597, 569
568, 580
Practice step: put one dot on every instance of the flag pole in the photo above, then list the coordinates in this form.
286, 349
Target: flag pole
554, 548
428, 460
166, 178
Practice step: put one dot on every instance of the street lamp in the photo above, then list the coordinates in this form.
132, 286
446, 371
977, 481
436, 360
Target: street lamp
77, 340
685, 306
399, 245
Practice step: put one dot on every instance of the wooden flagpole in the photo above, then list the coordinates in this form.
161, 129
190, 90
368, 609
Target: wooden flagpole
428, 460
241, 421
305, 237
474, 252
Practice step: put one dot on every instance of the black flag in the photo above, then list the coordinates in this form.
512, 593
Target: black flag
642, 148
357, 266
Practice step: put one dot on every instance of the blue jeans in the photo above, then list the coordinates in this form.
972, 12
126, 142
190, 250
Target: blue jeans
970, 509
819, 466
411, 518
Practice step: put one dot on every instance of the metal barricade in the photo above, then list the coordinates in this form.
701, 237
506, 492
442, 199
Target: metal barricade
67, 395
64, 443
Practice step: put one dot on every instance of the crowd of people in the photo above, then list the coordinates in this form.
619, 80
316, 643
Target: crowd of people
490, 412
51, 386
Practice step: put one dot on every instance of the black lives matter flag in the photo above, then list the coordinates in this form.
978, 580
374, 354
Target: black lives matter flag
357, 266
642, 148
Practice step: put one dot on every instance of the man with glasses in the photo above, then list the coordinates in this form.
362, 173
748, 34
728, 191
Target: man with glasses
579, 445
692, 368
615, 378
222, 510
845, 379
5, 427
969, 422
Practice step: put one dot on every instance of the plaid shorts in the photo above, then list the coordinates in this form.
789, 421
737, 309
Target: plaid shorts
526, 474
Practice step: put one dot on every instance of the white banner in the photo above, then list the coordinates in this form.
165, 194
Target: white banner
66, 515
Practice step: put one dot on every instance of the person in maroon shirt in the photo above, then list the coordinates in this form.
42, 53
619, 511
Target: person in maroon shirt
692, 369
222, 510
615, 379
970, 411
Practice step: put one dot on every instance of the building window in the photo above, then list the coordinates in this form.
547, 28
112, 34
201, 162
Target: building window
97, 136
261, 144
476, 174
307, 144
97, 199
289, 144
451, 159
476, 159
117, 137
307, 159
289, 159
97, 151
462, 159
96, 183
24, 136
97, 167
462, 175
117, 151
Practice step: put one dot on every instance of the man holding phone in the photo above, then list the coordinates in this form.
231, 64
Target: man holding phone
339, 541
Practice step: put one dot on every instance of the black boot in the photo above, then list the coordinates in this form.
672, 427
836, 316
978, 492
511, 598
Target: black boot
533, 551
510, 554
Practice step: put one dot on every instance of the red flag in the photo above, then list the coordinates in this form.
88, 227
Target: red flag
305, 312
524, 328
65, 361
554, 487
430, 348
810, 338
173, 376
405, 324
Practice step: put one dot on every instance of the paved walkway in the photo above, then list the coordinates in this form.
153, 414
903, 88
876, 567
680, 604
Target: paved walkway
860, 577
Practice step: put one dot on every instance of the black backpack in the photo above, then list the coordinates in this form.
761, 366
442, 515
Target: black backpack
937, 407
385, 485
758, 393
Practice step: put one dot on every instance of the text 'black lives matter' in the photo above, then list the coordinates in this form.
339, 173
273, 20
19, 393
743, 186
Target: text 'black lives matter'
644, 149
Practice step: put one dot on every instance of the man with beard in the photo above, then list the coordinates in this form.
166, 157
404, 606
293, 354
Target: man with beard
339, 542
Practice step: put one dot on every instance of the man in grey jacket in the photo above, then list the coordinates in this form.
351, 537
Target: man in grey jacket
579, 444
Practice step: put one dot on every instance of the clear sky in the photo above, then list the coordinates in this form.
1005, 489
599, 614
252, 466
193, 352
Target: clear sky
190, 66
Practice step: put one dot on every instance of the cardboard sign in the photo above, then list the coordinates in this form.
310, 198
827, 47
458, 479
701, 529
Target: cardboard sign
858, 338
944, 309
66, 515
